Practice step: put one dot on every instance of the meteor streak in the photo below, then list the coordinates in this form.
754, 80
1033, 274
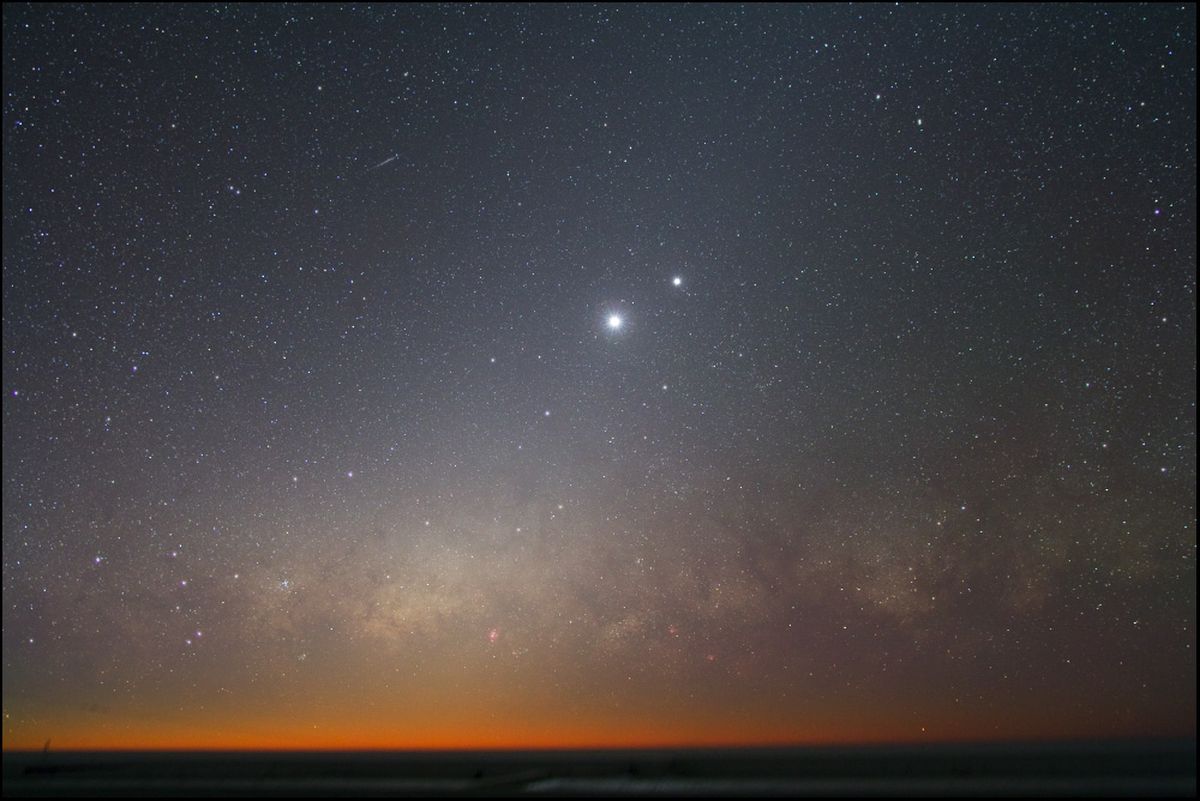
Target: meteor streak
388, 160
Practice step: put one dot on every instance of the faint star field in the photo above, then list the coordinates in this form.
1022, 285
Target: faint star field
432, 376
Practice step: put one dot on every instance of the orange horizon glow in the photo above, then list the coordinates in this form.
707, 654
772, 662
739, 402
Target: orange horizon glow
581, 738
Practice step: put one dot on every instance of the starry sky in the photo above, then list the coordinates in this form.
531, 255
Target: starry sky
528, 376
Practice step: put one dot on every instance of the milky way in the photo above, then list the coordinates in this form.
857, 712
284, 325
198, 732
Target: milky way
423, 376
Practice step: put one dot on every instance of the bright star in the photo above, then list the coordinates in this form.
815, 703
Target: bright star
677, 281
614, 321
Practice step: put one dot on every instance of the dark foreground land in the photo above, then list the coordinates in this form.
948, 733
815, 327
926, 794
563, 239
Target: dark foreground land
1153, 768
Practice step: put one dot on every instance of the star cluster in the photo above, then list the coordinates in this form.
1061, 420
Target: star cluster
480, 376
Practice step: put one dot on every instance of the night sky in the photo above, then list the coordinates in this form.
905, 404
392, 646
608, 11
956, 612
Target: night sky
522, 376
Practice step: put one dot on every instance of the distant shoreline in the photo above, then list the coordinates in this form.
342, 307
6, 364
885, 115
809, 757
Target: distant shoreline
1131, 767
